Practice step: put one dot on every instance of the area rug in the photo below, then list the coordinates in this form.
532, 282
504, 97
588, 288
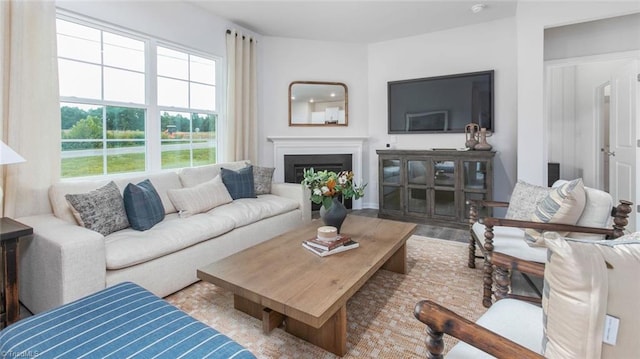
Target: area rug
379, 316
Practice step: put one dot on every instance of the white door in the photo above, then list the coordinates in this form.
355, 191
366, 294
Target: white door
623, 137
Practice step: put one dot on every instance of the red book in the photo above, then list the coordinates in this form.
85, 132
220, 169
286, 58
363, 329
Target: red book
315, 242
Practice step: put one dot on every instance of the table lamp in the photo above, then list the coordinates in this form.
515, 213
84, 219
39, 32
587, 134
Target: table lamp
8, 156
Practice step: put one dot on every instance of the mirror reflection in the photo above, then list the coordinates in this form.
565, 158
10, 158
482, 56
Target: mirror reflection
318, 104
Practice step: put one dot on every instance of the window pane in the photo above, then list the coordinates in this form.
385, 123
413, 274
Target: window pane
204, 139
123, 52
203, 70
127, 122
78, 42
123, 85
79, 79
80, 122
203, 97
125, 156
80, 164
173, 93
173, 64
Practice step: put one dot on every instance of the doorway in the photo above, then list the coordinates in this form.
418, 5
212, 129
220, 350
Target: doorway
603, 115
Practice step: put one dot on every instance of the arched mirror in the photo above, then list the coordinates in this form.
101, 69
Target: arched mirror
318, 104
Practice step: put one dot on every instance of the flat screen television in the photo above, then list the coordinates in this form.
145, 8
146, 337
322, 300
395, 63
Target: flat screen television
442, 104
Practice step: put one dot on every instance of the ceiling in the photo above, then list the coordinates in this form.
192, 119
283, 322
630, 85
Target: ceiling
354, 21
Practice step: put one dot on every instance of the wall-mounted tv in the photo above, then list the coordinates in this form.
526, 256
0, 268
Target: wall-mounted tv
442, 104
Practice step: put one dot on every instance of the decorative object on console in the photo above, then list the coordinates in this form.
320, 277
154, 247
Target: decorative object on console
482, 141
471, 134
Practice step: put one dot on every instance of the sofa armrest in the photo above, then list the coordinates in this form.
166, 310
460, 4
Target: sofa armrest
296, 192
59, 263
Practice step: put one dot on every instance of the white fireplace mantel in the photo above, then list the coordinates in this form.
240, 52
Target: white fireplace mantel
313, 145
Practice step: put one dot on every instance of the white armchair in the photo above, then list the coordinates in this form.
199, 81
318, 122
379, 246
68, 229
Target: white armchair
592, 216
586, 284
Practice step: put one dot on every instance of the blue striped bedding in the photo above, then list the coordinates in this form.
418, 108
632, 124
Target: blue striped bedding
122, 321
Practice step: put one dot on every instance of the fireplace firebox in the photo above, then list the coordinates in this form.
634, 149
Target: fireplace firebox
294, 166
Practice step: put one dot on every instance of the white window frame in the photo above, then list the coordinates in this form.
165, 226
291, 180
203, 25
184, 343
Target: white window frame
153, 157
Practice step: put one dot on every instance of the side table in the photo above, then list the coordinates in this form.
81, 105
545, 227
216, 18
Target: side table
10, 233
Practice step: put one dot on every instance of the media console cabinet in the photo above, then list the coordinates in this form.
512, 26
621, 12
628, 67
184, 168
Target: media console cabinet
433, 186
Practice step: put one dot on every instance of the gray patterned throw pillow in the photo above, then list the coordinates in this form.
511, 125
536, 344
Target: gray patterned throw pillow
524, 200
262, 178
101, 210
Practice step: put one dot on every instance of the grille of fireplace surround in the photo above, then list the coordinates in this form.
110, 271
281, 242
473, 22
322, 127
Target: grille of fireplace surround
294, 166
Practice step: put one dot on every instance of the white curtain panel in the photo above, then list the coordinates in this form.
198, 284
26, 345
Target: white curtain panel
242, 98
29, 104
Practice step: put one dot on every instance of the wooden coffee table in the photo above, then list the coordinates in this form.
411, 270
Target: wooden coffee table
280, 281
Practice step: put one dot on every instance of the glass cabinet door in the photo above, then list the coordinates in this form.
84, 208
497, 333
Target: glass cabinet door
475, 174
392, 198
444, 203
417, 172
391, 171
444, 174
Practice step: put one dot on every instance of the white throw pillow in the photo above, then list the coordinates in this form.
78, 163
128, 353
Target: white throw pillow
563, 204
200, 198
585, 280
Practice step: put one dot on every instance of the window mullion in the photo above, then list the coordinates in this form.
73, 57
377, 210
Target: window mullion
154, 140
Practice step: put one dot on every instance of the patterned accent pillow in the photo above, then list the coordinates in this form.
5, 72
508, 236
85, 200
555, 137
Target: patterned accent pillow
564, 204
585, 280
262, 178
143, 205
239, 183
101, 210
201, 198
524, 200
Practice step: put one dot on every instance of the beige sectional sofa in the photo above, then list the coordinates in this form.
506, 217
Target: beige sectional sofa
64, 261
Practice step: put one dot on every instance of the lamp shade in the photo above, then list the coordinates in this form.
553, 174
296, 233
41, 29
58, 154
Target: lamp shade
8, 156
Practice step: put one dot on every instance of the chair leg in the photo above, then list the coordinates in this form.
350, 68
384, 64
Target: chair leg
472, 251
488, 267
503, 282
435, 344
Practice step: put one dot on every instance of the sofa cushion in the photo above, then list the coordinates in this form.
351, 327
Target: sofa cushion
586, 280
563, 204
510, 240
101, 210
193, 176
248, 210
262, 178
596, 213
239, 183
524, 200
527, 331
130, 247
200, 198
143, 205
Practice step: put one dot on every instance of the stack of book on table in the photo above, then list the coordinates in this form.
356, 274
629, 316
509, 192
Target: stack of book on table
324, 248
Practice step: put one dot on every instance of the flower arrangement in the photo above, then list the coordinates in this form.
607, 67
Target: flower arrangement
325, 185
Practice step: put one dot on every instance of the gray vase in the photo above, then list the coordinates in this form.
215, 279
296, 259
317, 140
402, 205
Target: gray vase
335, 215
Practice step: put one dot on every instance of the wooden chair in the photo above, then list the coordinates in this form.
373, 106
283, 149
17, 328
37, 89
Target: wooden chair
597, 278
501, 235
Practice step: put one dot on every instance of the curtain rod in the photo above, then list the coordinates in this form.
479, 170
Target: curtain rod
229, 32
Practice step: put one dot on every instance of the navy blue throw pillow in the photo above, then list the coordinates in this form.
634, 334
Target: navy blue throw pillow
239, 183
143, 205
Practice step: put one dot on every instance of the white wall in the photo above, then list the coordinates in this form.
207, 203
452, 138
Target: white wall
466, 49
285, 60
532, 19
